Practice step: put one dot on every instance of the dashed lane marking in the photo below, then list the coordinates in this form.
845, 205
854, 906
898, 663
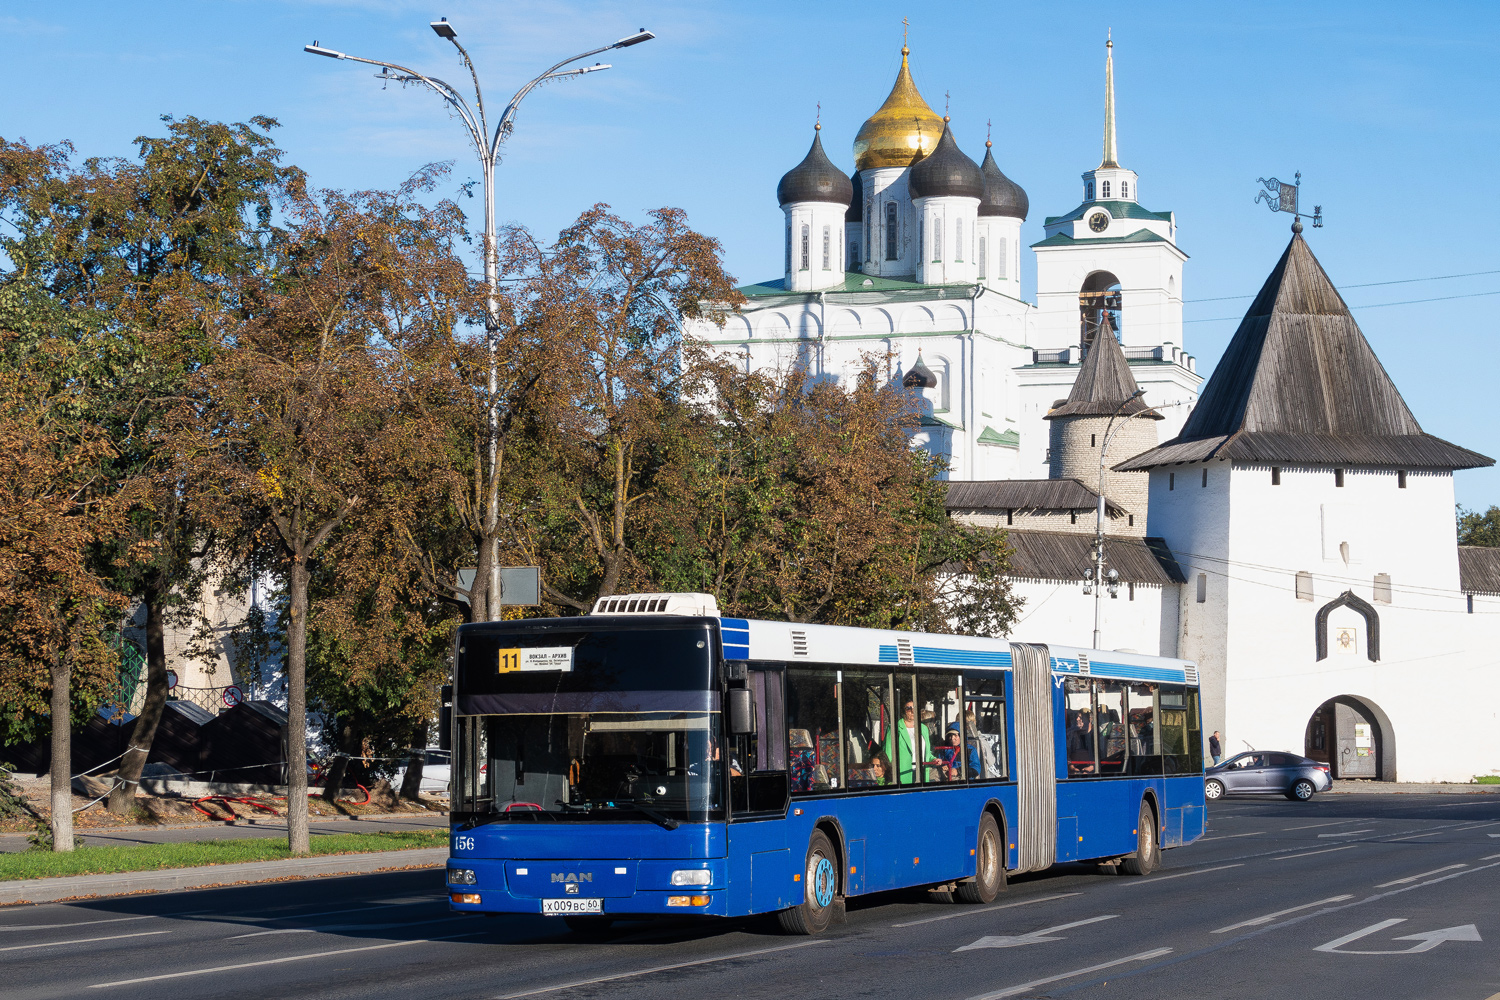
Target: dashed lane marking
1231, 836
281, 961
1011, 991
1200, 871
1413, 878
1315, 826
58, 944
1257, 921
659, 968
1345, 833
987, 909
1327, 850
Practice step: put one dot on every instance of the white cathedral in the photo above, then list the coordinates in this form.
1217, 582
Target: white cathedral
1291, 529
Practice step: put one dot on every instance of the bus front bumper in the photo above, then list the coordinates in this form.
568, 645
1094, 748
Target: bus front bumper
589, 887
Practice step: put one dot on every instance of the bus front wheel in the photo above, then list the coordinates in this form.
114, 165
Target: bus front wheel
820, 885
1147, 851
989, 865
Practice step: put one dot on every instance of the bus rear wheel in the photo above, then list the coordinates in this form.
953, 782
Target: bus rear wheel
1147, 851
820, 885
989, 865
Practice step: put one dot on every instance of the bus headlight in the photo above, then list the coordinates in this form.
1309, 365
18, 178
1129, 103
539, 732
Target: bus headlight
692, 876
461, 876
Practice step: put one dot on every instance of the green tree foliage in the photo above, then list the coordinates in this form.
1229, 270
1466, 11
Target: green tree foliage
1475, 528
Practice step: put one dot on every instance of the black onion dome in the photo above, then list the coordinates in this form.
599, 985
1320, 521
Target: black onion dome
1002, 196
815, 179
946, 172
920, 376
856, 211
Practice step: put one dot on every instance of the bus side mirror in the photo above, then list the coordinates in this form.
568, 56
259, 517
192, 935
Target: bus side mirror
741, 712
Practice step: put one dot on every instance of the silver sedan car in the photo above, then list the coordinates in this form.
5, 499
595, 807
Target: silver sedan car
1262, 772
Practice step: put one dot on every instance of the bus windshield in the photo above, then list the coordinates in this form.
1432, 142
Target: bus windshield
618, 724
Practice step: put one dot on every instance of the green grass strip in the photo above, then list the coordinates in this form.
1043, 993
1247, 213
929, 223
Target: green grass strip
1487, 779
190, 854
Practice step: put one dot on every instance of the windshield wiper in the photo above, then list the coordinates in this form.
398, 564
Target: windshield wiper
666, 822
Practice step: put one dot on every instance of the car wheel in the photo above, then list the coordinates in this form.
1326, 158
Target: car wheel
989, 865
1213, 789
1302, 791
1147, 850
820, 883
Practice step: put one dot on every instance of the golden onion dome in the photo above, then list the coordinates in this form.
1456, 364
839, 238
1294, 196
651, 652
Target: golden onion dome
902, 131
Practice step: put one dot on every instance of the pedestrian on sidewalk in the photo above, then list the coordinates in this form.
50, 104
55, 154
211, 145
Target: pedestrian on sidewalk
1214, 749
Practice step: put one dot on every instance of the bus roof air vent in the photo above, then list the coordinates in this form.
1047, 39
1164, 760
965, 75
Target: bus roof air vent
658, 604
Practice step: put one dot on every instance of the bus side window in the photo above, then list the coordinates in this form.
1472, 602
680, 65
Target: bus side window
940, 714
812, 730
1145, 737
1111, 716
867, 712
1173, 718
1079, 730
1194, 731
984, 724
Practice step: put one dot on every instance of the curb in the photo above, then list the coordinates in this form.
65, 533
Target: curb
45, 890
1409, 788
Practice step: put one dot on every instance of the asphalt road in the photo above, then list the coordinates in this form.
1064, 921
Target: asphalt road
1377, 896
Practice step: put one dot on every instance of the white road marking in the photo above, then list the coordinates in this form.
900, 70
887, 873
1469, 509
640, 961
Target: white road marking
1257, 921
1492, 835
1413, 878
1327, 850
1231, 836
56, 944
1026, 987
986, 909
335, 928
659, 968
1314, 826
104, 920
1426, 940
1200, 871
1479, 826
1034, 937
281, 961
1419, 836
1492, 857
1346, 833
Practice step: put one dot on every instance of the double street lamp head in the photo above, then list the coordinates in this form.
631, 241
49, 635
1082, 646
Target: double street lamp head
640, 36
318, 50
444, 29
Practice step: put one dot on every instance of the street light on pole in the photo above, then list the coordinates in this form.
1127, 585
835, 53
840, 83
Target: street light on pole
487, 147
1097, 579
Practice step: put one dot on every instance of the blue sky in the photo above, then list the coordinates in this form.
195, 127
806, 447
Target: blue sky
1387, 109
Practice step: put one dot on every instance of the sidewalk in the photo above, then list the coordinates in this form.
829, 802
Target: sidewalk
1345, 786
43, 890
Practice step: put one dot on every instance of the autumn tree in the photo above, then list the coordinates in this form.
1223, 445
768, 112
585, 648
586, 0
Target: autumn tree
143, 249
306, 413
56, 666
802, 499
611, 297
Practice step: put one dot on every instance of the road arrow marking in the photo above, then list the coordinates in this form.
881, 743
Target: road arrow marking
1035, 937
1426, 941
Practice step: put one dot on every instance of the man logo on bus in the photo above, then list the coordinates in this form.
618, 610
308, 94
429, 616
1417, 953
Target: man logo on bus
573, 877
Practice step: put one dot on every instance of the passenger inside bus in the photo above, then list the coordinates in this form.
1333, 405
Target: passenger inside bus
1081, 745
908, 742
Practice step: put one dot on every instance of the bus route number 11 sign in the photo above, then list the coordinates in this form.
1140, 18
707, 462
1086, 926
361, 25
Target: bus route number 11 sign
559, 658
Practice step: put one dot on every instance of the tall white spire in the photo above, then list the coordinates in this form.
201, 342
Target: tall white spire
1111, 158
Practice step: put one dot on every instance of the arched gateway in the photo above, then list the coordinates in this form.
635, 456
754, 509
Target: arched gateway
1354, 737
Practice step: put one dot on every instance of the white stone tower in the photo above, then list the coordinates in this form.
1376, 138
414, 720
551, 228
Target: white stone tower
815, 196
946, 187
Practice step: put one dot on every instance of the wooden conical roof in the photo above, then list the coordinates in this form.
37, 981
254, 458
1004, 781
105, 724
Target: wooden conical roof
1300, 384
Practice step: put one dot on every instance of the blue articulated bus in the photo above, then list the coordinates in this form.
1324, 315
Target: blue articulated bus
654, 758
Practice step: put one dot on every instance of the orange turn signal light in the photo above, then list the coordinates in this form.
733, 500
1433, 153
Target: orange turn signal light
687, 900
464, 897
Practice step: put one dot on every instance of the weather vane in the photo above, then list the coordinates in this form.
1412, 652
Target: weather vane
1280, 197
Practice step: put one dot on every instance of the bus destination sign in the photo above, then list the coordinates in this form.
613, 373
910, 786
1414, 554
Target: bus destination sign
559, 658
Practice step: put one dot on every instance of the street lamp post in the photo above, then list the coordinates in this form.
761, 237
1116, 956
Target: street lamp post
487, 147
